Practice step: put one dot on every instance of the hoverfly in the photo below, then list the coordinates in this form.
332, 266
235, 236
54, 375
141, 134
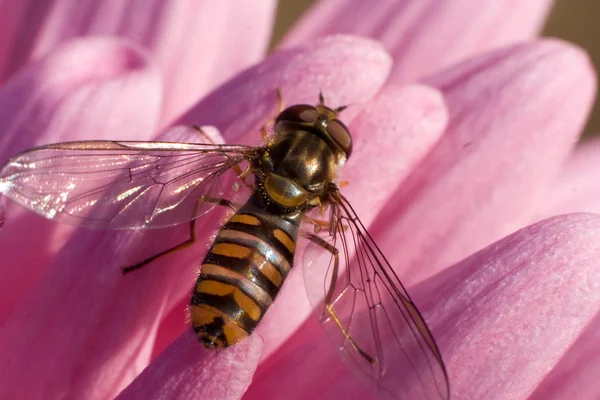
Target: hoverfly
367, 313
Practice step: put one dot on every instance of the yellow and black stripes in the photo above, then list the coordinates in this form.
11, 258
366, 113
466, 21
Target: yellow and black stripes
242, 273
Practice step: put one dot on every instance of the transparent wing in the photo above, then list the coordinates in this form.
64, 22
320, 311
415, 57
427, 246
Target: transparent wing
368, 314
118, 185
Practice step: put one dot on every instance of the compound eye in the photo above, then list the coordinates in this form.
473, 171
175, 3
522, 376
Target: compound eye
298, 113
341, 135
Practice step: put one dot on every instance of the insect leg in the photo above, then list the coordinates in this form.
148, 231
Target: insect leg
329, 295
187, 243
201, 131
319, 224
263, 130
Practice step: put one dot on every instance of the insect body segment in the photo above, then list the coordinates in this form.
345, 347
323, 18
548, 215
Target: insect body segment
242, 274
254, 251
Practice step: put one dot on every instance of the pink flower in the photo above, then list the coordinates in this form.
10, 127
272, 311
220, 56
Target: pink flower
441, 169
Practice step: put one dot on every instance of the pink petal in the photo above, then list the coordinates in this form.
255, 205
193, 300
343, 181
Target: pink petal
2, 210
509, 132
306, 367
101, 329
576, 375
425, 36
187, 370
575, 189
502, 317
9, 20
179, 33
243, 104
512, 310
397, 128
171, 326
88, 89
57, 97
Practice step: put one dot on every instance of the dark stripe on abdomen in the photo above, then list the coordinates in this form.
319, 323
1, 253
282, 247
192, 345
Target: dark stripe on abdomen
241, 274
266, 235
247, 269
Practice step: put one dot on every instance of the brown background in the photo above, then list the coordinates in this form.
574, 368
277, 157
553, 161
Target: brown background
572, 20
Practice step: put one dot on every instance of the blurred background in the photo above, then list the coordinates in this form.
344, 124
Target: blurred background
572, 20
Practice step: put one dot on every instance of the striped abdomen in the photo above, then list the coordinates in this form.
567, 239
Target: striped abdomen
242, 274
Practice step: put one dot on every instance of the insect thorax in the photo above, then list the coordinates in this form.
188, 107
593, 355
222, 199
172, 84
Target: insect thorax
296, 171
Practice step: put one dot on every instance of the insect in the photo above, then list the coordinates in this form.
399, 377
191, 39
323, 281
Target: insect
367, 313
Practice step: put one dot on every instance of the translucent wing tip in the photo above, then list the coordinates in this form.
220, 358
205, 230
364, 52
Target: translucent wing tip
375, 326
